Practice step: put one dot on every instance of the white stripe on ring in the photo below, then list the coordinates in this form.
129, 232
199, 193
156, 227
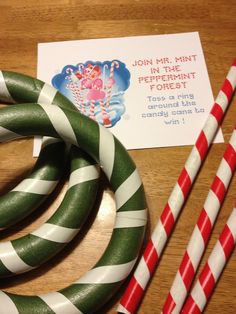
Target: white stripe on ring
7, 305
8, 135
106, 150
59, 303
60, 122
127, 189
49, 140
84, 174
55, 233
11, 259
5, 95
46, 94
41, 187
107, 274
130, 219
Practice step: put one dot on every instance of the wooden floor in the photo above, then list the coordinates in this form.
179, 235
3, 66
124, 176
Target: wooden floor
23, 24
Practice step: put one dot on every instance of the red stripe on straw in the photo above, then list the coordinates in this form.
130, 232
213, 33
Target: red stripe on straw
202, 145
204, 225
230, 157
217, 112
132, 298
207, 280
186, 270
150, 256
169, 306
167, 219
227, 241
191, 307
227, 89
184, 182
218, 188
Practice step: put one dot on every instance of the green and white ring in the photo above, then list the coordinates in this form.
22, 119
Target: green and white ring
91, 291
43, 243
51, 237
33, 190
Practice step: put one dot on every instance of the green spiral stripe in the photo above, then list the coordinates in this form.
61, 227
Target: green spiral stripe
92, 290
42, 180
37, 247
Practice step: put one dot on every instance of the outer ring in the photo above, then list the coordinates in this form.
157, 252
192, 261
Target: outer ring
42, 180
87, 294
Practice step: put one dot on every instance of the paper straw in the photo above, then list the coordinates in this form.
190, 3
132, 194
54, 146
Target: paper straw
202, 230
210, 274
136, 287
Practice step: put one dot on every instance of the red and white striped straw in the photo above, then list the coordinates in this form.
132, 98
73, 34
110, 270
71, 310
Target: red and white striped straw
137, 285
202, 231
210, 273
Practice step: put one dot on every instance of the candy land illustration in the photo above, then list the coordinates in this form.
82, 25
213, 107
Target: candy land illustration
96, 88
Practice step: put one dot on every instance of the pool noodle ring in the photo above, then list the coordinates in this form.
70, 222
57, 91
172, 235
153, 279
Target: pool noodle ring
97, 286
32, 191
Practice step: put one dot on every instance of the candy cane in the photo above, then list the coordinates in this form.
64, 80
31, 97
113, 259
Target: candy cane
202, 230
145, 269
76, 91
92, 109
113, 65
104, 74
72, 87
210, 273
122, 252
105, 116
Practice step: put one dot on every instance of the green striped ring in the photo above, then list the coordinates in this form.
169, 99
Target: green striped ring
22, 199
97, 286
43, 243
42, 180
